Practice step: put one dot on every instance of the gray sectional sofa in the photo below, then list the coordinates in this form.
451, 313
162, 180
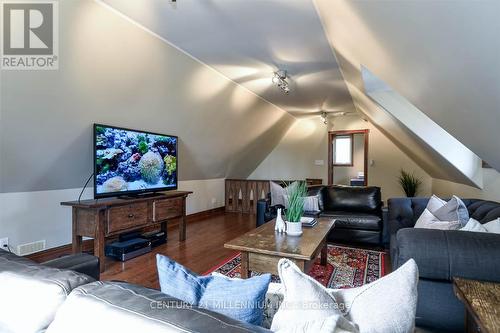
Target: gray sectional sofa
442, 255
38, 298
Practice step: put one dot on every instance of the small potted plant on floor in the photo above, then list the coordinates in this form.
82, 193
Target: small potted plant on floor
409, 183
293, 214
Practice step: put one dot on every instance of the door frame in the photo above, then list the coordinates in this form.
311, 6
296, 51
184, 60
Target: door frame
331, 137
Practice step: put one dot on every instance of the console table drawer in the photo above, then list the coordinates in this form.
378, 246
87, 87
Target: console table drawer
167, 209
127, 216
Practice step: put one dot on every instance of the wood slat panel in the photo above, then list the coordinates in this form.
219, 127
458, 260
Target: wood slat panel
237, 193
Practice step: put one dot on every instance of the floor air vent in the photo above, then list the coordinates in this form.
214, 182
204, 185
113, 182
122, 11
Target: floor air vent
29, 248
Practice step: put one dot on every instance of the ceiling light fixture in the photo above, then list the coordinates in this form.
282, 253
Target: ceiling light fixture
279, 79
324, 116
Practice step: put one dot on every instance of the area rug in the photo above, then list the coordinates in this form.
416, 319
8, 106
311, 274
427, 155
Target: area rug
346, 268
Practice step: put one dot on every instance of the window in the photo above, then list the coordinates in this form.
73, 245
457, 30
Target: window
342, 150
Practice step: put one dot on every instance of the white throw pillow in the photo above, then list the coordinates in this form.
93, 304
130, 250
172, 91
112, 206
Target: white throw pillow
364, 309
278, 193
435, 203
305, 301
311, 203
474, 225
493, 226
428, 221
387, 305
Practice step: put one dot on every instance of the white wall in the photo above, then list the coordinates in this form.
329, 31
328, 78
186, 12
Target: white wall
491, 189
294, 157
31, 216
307, 141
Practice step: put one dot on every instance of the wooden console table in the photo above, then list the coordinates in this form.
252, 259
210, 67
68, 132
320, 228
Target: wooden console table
103, 218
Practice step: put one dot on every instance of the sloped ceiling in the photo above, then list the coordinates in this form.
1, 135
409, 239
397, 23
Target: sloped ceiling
248, 40
442, 56
406, 43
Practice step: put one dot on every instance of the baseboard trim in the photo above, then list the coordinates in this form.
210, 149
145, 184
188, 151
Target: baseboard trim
88, 244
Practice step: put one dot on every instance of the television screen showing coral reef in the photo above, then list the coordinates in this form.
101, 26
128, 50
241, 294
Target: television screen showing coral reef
133, 161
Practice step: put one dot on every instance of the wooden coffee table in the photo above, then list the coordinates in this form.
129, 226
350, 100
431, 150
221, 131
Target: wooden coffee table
262, 248
482, 304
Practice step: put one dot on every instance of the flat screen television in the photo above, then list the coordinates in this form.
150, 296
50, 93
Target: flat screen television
131, 162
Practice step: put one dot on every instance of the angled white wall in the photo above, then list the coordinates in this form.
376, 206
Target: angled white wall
431, 134
490, 190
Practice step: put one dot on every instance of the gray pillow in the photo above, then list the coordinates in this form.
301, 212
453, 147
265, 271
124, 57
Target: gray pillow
278, 193
453, 210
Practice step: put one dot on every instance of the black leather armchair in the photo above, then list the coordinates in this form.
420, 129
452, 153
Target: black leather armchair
357, 210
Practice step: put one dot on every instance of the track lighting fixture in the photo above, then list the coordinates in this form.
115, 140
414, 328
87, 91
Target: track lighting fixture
324, 117
279, 79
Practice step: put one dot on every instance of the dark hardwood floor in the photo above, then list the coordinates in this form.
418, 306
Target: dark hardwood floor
203, 249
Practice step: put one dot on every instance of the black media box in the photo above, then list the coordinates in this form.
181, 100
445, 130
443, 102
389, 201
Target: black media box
128, 249
156, 238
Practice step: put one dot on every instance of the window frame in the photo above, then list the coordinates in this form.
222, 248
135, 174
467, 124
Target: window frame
334, 150
331, 135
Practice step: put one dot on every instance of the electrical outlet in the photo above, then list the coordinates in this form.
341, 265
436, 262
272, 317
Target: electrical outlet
4, 242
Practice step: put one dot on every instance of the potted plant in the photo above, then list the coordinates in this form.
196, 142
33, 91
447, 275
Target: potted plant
293, 214
409, 183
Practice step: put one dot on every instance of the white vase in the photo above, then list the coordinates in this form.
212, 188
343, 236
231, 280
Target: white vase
279, 226
293, 228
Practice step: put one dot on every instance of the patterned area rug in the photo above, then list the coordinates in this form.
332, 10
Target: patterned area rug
346, 268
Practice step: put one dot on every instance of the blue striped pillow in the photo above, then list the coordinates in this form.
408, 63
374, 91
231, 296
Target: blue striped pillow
241, 299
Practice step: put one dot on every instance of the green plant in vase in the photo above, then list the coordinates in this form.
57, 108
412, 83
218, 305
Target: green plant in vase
296, 195
409, 183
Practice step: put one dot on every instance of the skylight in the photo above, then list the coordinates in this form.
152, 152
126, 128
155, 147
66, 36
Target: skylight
468, 163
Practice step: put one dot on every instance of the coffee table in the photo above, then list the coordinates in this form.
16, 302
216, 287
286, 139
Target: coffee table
482, 304
262, 248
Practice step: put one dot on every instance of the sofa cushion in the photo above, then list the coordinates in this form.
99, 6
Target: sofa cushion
240, 299
352, 199
482, 210
126, 308
444, 254
31, 293
351, 220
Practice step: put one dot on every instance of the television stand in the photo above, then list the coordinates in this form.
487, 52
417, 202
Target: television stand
110, 217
